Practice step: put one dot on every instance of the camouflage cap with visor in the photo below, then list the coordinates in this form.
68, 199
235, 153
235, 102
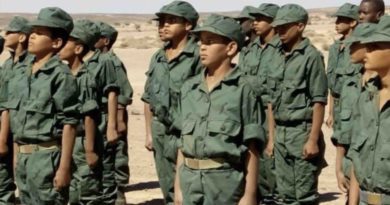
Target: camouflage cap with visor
181, 9
382, 32
290, 13
86, 31
223, 26
245, 13
349, 11
18, 24
266, 9
54, 17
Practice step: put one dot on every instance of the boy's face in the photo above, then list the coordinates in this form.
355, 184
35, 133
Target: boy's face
367, 13
343, 25
262, 25
358, 52
69, 50
101, 43
289, 32
11, 39
40, 41
246, 25
376, 58
171, 27
213, 48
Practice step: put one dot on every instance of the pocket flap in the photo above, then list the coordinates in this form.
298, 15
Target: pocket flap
227, 127
40, 106
188, 127
346, 114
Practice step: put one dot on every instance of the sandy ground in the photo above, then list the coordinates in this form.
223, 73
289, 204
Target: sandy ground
143, 188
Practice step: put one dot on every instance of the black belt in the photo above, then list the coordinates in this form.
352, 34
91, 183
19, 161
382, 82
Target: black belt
292, 123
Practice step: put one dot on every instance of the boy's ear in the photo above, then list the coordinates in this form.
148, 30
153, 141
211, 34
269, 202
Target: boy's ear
232, 49
22, 38
188, 26
301, 27
353, 24
379, 15
57, 43
78, 49
106, 41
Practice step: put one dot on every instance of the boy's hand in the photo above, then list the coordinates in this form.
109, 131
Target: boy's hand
61, 179
269, 149
310, 149
330, 121
121, 127
247, 200
91, 158
342, 181
3, 149
149, 143
178, 197
112, 136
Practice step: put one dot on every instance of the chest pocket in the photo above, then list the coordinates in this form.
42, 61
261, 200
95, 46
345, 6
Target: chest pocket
41, 118
295, 94
226, 127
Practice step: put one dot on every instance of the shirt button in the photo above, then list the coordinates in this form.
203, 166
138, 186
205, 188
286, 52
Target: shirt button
372, 147
223, 128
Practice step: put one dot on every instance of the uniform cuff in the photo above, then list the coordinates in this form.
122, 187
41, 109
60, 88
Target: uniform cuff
88, 106
254, 132
320, 100
122, 100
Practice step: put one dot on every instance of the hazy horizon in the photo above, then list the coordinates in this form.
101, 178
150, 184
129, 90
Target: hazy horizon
149, 6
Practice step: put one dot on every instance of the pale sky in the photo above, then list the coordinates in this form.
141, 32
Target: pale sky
151, 6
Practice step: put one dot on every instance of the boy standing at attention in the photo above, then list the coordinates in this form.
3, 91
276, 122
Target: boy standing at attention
169, 68
222, 124
47, 116
298, 94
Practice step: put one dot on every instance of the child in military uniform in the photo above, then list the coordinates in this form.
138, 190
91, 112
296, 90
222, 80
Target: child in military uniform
246, 22
221, 124
169, 68
369, 150
370, 11
108, 36
298, 94
47, 115
85, 187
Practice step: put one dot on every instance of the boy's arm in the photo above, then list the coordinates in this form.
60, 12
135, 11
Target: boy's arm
353, 197
112, 134
90, 153
311, 148
4, 133
251, 173
148, 127
342, 181
63, 173
178, 192
271, 131
330, 120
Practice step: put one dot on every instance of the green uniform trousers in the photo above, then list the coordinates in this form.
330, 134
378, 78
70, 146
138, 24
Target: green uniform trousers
211, 187
109, 183
86, 185
34, 176
296, 178
122, 171
165, 155
7, 185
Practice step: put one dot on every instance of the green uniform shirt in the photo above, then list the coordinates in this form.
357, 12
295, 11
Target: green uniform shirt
297, 81
219, 123
125, 96
165, 79
255, 60
50, 102
340, 67
348, 97
369, 149
102, 70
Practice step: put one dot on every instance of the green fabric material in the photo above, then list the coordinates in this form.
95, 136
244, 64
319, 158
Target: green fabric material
86, 31
382, 33
122, 170
363, 30
223, 26
296, 81
50, 102
18, 24
348, 10
54, 17
265, 9
107, 30
245, 13
125, 96
181, 9
165, 79
34, 177
290, 13
212, 121
369, 148
7, 185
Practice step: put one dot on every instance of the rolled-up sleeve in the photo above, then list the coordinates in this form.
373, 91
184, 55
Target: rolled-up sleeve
65, 98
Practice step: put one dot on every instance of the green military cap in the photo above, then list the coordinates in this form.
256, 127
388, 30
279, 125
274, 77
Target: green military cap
266, 9
245, 13
382, 32
181, 9
348, 10
19, 24
86, 31
290, 13
54, 17
223, 26
107, 30
361, 31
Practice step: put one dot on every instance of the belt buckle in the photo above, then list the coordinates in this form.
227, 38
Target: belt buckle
374, 198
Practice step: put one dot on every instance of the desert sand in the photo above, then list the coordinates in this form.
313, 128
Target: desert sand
136, 44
